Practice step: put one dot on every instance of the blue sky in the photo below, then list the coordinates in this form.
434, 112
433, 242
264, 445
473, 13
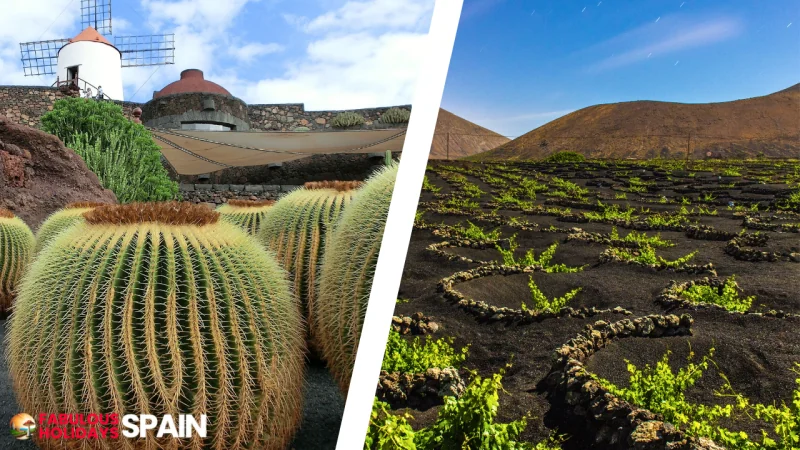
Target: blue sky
328, 54
519, 64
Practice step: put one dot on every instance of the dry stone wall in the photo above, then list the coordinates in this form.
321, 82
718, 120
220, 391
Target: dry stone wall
26, 105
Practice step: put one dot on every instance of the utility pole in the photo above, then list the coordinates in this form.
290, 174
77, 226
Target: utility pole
688, 146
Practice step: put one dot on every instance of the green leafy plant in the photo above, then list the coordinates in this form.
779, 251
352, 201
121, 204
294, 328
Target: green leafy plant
609, 213
544, 260
641, 238
347, 119
476, 233
563, 157
428, 186
663, 391
418, 356
541, 303
463, 423
647, 255
121, 153
726, 295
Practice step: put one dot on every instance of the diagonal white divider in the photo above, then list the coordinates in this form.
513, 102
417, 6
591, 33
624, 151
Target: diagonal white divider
425, 110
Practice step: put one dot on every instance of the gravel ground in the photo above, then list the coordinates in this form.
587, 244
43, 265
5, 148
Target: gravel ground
323, 408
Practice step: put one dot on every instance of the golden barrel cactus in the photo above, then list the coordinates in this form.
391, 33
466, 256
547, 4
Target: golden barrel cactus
248, 214
296, 229
61, 220
161, 308
16, 247
348, 267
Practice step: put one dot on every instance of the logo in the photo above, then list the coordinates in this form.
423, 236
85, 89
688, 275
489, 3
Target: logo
22, 426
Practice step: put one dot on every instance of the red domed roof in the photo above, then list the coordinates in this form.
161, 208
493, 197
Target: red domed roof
191, 81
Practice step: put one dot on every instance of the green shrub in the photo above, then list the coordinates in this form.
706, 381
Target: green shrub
416, 357
16, 251
396, 115
563, 157
347, 119
121, 153
162, 308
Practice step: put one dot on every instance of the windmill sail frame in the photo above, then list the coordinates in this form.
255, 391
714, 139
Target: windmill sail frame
146, 50
96, 14
41, 57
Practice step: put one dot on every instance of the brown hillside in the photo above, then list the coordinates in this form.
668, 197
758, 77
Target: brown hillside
648, 129
465, 137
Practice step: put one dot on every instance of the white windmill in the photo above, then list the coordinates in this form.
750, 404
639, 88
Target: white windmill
89, 60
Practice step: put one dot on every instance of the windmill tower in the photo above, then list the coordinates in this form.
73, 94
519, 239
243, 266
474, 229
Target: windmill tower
90, 60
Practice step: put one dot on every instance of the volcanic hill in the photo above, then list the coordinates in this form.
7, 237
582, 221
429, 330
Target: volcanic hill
768, 125
465, 138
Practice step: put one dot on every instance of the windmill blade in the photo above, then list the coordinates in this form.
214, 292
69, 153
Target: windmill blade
96, 14
148, 50
41, 57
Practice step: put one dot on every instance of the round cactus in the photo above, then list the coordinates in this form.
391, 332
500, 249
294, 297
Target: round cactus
347, 119
16, 247
161, 308
345, 279
247, 214
296, 227
61, 220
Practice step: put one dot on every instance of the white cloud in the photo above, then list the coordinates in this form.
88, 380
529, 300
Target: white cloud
361, 15
656, 41
246, 53
359, 54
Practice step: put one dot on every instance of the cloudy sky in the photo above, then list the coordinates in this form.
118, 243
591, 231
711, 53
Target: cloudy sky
519, 64
328, 54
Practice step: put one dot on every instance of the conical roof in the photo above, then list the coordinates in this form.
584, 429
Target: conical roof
90, 34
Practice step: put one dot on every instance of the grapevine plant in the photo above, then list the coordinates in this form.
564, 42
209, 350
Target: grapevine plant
663, 391
463, 423
417, 356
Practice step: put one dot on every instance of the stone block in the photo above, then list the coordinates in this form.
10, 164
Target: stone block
237, 187
272, 187
222, 187
289, 188
203, 187
254, 188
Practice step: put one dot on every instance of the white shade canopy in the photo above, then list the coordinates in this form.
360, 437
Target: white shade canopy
193, 152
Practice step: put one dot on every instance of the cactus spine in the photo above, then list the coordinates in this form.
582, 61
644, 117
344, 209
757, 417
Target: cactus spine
296, 229
348, 268
61, 220
16, 248
161, 309
249, 215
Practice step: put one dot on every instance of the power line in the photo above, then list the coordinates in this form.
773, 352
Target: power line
145, 82
56, 19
